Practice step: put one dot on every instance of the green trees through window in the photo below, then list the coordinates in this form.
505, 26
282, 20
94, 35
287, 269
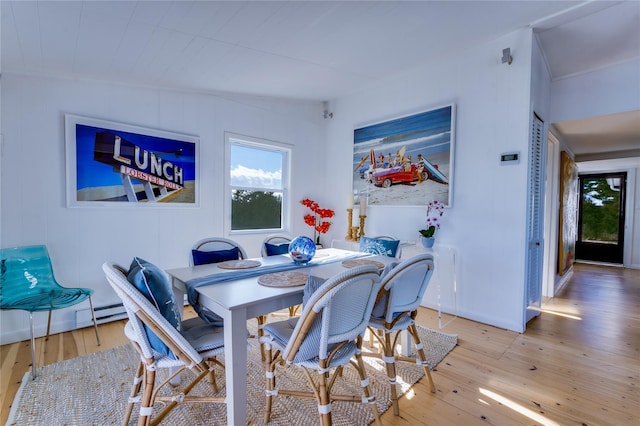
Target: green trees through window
256, 210
600, 210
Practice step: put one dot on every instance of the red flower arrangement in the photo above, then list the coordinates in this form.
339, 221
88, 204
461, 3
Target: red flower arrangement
316, 218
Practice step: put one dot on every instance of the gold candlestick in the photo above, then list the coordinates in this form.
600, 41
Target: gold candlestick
350, 235
361, 226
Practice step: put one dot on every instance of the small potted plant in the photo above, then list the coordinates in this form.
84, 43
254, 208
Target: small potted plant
435, 209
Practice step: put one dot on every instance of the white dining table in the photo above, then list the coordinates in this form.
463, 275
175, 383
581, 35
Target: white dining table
237, 300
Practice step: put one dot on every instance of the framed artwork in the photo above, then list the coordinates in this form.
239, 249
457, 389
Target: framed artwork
115, 164
406, 161
568, 213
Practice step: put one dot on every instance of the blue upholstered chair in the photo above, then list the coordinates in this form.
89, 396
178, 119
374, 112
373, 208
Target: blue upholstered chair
324, 339
27, 283
395, 311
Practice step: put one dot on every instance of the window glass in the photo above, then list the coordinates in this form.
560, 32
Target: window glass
257, 191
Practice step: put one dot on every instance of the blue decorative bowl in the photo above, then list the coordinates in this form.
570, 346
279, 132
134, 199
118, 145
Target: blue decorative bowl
302, 249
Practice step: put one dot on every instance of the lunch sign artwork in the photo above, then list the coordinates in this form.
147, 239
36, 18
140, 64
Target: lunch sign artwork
118, 164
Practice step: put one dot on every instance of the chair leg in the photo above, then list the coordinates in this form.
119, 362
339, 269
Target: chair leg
95, 323
212, 376
135, 390
33, 347
293, 310
271, 382
262, 320
48, 326
366, 389
324, 403
146, 405
389, 359
416, 340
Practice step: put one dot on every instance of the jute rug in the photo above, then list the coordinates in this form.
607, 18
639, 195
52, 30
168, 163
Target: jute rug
93, 390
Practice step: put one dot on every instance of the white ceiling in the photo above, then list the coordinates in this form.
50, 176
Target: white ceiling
313, 50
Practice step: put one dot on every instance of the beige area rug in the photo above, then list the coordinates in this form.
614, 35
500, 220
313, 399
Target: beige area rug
93, 390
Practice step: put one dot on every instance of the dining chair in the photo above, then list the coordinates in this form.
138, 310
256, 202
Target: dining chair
27, 283
193, 345
275, 244
214, 250
395, 311
382, 245
324, 338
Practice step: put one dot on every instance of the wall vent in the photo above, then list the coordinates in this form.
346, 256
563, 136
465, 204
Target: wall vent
104, 314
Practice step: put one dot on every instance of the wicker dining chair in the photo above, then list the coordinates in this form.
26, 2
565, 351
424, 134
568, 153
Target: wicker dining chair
395, 311
275, 244
27, 283
194, 348
215, 245
324, 339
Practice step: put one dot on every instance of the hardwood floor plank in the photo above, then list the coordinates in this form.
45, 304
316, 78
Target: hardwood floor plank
8, 356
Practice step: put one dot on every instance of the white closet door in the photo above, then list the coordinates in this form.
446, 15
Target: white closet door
535, 219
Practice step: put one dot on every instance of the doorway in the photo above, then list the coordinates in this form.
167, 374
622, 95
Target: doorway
601, 217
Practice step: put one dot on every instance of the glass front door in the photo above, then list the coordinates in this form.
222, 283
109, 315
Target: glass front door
601, 217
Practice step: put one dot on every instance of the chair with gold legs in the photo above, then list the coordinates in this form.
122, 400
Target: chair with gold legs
395, 311
191, 346
324, 339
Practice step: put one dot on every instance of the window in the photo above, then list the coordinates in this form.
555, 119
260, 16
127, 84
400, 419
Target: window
258, 179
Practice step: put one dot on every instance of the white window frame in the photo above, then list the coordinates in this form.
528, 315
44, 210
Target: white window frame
264, 144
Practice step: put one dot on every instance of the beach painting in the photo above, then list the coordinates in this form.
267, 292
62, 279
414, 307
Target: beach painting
115, 164
406, 161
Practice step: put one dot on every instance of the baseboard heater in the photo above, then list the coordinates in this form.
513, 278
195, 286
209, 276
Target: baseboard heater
104, 314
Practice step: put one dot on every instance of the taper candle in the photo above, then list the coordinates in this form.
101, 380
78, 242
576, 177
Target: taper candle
363, 206
350, 203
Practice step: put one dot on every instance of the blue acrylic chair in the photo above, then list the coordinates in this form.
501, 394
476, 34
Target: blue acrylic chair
27, 283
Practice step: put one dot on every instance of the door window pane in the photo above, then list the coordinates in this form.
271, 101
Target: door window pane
600, 210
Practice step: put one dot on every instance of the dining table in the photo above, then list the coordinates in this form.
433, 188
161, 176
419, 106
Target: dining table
243, 289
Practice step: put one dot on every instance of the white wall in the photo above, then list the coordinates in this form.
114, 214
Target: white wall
605, 91
80, 239
487, 221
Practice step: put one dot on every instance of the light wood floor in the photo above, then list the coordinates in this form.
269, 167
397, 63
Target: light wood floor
577, 364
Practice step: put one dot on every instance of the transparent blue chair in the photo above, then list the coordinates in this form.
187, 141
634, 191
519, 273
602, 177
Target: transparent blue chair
27, 283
